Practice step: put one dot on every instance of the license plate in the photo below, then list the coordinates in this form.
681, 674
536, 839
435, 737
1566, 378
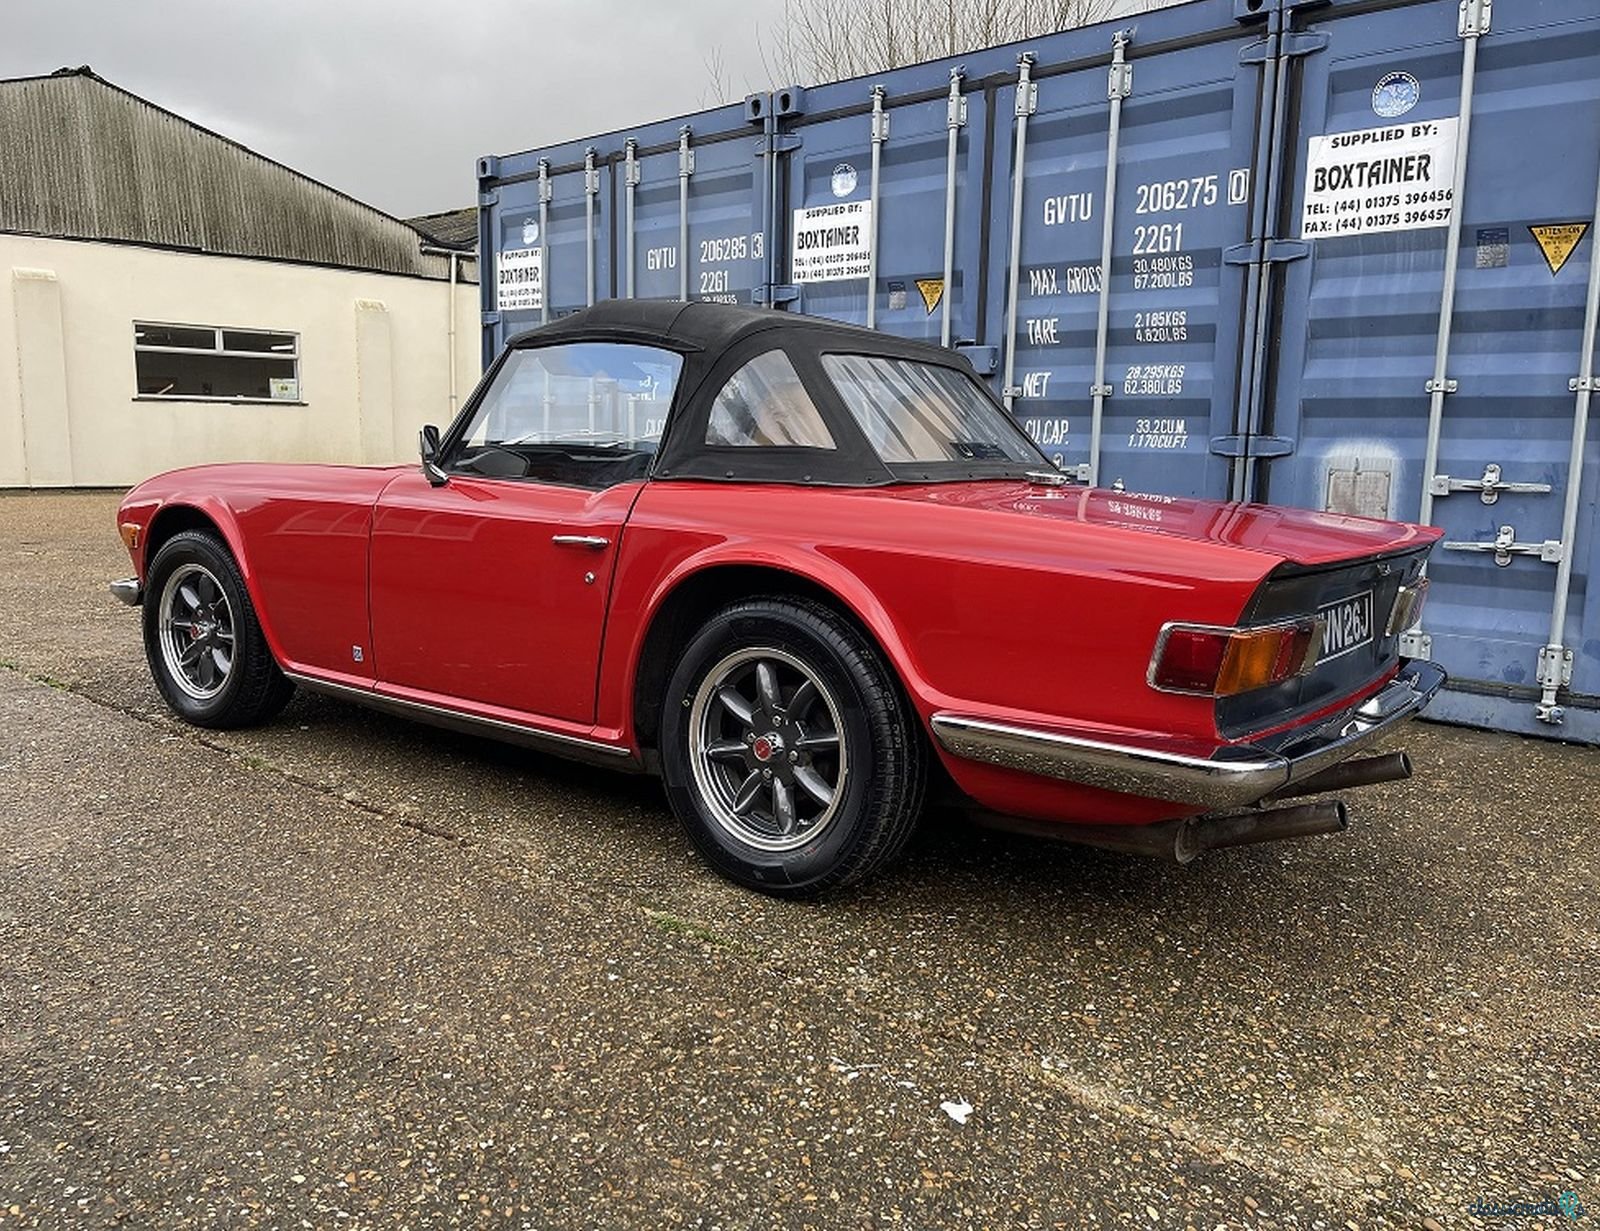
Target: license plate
1347, 627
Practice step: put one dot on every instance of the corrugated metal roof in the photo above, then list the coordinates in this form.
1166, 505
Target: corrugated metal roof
453, 228
81, 158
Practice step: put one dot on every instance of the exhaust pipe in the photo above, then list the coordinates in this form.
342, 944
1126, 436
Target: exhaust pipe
1368, 771
1183, 840
1215, 833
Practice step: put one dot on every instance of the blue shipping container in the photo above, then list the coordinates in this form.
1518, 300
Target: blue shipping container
1329, 253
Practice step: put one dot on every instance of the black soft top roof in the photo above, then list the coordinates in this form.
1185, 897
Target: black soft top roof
715, 340
711, 327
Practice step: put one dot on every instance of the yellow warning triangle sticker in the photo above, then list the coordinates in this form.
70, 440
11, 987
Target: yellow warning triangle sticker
1557, 240
932, 290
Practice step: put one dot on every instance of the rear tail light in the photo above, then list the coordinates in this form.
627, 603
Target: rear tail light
1223, 662
1407, 609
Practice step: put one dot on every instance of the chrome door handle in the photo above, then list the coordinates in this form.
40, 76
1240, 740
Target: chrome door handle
592, 541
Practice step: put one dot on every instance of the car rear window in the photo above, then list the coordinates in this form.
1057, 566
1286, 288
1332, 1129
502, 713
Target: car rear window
765, 403
914, 412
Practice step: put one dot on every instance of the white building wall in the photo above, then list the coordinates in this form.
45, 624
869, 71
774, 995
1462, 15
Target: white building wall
374, 361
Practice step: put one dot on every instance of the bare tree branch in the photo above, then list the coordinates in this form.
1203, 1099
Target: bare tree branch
830, 40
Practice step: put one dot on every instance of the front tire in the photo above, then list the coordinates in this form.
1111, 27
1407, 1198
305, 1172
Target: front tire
201, 637
789, 754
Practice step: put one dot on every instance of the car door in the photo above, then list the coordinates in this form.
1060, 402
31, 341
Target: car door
489, 589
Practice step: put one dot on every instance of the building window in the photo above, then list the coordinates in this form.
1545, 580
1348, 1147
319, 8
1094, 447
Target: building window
214, 363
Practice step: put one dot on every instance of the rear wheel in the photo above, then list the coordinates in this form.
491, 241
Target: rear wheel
204, 644
789, 754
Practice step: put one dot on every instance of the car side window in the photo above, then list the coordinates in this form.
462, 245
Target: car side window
765, 403
582, 414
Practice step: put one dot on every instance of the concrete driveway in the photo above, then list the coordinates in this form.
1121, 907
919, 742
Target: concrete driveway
347, 971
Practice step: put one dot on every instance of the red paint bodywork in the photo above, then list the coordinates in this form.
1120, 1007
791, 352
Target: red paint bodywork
998, 599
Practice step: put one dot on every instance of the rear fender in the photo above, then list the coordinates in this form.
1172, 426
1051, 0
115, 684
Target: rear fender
847, 591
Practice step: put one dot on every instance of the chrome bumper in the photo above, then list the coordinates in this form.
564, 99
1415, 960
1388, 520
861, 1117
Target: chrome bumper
1234, 778
128, 590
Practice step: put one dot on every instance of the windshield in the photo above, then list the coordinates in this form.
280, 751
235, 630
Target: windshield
584, 413
915, 412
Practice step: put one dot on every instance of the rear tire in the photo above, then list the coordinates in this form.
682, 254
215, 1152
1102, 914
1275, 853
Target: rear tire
788, 751
204, 644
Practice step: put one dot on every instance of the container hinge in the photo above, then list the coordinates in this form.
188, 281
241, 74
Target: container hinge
1291, 44
1489, 487
1302, 43
1270, 252
1414, 643
1119, 81
985, 360
1473, 18
546, 188
772, 296
955, 111
1027, 90
778, 143
491, 318
1252, 446
1555, 666
591, 173
1505, 546
880, 118
1584, 384
491, 197
630, 163
1441, 386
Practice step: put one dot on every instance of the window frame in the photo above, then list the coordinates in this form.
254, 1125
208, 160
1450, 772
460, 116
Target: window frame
220, 352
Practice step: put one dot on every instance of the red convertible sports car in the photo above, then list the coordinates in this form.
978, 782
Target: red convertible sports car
806, 573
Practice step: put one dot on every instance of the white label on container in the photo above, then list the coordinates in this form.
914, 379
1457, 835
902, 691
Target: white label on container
831, 242
519, 280
1395, 178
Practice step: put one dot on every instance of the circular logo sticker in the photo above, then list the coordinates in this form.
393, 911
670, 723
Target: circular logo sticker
1395, 94
530, 233
844, 180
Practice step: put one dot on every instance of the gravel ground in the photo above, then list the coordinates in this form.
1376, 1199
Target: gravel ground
346, 970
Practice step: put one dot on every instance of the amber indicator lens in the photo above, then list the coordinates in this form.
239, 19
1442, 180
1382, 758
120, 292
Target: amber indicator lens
130, 534
1223, 662
1407, 609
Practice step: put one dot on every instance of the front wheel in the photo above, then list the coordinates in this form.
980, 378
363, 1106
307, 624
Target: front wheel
204, 644
788, 751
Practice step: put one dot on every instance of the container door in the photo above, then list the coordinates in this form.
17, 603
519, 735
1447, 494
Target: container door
1370, 160
1187, 137
881, 260
712, 184
548, 230
557, 221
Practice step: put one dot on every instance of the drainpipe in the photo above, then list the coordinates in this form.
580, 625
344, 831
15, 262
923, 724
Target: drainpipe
455, 255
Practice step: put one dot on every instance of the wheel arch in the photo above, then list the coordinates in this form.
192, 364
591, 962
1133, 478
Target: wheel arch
689, 598
175, 516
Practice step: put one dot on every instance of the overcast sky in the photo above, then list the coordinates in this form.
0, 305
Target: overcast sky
392, 101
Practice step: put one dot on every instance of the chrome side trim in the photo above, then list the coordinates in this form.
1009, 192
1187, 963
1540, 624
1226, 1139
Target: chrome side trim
574, 747
1245, 776
128, 590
